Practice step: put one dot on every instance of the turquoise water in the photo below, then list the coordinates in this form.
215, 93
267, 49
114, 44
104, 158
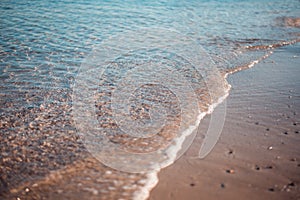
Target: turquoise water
44, 46
52, 37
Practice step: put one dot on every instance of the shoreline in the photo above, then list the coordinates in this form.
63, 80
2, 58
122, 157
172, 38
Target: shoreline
230, 164
227, 148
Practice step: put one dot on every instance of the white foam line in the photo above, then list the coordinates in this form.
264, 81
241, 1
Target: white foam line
250, 65
152, 177
150, 183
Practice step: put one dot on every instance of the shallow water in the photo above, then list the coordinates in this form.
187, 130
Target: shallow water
146, 49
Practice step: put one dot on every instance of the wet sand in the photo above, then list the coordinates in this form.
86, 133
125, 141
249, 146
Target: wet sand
257, 156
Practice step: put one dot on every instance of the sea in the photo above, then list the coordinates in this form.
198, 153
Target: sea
96, 97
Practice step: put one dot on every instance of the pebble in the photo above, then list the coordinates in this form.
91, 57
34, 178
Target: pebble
27, 190
271, 189
35, 185
230, 151
270, 147
192, 184
230, 171
42, 107
59, 191
31, 125
222, 185
111, 188
291, 184
108, 172
92, 190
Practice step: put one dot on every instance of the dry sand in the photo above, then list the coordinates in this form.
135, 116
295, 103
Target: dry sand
257, 156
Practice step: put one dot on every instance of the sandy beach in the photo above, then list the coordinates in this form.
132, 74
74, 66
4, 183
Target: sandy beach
92, 91
257, 155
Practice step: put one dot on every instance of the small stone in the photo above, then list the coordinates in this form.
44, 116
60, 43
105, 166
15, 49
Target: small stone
270, 147
108, 172
291, 184
27, 190
286, 133
42, 107
267, 129
192, 184
230, 171
257, 167
59, 191
271, 189
31, 125
222, 185
296, 132
35, 185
